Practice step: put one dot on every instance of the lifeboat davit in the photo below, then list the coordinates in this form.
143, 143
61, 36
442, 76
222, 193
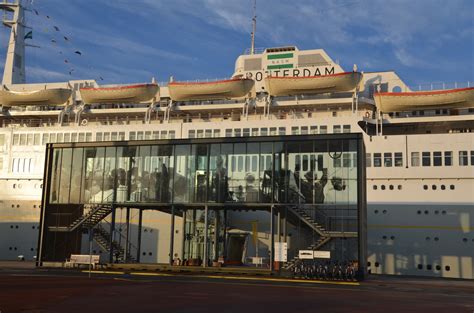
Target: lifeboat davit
425, 100
219, 89
53, 96
287, 86
119, 94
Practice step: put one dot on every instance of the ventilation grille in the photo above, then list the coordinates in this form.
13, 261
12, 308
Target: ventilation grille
311, 60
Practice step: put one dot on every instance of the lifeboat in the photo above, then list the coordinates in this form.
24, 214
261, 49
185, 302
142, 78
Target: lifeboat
53, 96
286, 86
220, 89
425, 100
119, 94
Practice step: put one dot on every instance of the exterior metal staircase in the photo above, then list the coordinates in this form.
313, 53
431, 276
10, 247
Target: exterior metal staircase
315, 246
102, 238
95, 214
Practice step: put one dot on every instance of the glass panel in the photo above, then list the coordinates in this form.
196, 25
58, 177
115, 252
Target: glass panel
110, 174
65, 180
426, 158
37, 140
387, 159
377, 159
398, 159
55, 175
448, 158
191, 133
323, 129
182, 181
463, 158
67, 137
77, 172
437, 158
217, 133
415, 159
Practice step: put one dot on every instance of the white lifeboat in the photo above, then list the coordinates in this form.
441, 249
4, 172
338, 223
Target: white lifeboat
425, 100
119, 94
53, 96
220, 89
287, 86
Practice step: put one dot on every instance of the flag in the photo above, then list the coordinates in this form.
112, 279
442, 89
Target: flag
29, 35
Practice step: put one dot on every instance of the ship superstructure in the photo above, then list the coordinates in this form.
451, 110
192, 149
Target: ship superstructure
420, 145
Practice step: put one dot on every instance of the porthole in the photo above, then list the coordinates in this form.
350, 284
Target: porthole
391, 187
428, 267
93, 251
433, 187
13, 205
420, 266
151, 230
41, 186
34, 206
150, 254
399, 187
19, 186
443, 212
438, 267
15, 248
384, 237
426, 212
436, 239
14, 186
384, 211
392, 237
376, 211
436, 212
17, 206
31, 249
464, 240
447, 268
425, 187
377, 264
145, 230
427, 238
10, 248
11, 226
451, 187
32, 227
382, 187
418, 212
368, 263
374, 187
16, 226
144, 253
443, 187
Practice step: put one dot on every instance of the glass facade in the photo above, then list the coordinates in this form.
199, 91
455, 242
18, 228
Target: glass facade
303, 172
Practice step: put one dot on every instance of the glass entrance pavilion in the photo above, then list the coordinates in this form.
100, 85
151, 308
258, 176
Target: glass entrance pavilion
211, 202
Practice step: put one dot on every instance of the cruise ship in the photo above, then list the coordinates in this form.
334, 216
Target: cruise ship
419, 143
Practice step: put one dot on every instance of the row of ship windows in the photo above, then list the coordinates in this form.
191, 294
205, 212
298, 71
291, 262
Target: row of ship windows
34, 206
436, 158
16, 248
419, 212
400, 187
429, 267
21, 165
42, 139
17, 227
267, 131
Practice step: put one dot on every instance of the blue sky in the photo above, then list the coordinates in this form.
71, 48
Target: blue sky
126, 41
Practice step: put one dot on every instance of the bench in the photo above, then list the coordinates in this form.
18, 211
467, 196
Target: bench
83, 259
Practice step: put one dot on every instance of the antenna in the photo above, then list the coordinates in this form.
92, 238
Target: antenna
254, 27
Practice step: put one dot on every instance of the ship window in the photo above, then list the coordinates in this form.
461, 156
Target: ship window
451, 187
246, 132
89, 136
172, 134
131, 136
237, 132
281, 131
295, 130
82, 137
383, 187
387, 159
313, 130
228, 132
374, 187
346, 128
1, 164
16, 139
156, 134
323, 129
273, 131
254, 163
147, 135
98, 136
29, 139
377, 159
36, 139
368, 160
448, 158
463, 158
191, 134
140, 135
337, 162
22, 139
163, 134
443, 187
336, 129
217, 133
426, 158
208, 133
52, 138
60, 137
437, 158
264, 131
2, 140
415, 159
240, 163
398, 159
254, 131
304, 130
346, 160
472, 157
305, 163
113, 136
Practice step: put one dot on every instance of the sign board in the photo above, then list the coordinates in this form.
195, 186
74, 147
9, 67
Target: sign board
305, 255
281, 252
322, 254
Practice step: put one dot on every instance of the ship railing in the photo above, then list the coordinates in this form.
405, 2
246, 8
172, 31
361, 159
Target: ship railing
206, 80
440, 86
256, 51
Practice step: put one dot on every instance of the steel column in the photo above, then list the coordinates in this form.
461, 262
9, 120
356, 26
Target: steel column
272, 237
206, 225
127, 222
216, 236
139, 240
172, 236
183, 233
112, 230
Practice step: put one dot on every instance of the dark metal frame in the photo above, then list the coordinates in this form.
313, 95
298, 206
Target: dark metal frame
175, 207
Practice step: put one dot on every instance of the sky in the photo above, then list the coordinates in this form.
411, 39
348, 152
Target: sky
129, 41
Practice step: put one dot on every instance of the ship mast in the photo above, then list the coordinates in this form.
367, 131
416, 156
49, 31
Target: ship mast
254, 27
14, 71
